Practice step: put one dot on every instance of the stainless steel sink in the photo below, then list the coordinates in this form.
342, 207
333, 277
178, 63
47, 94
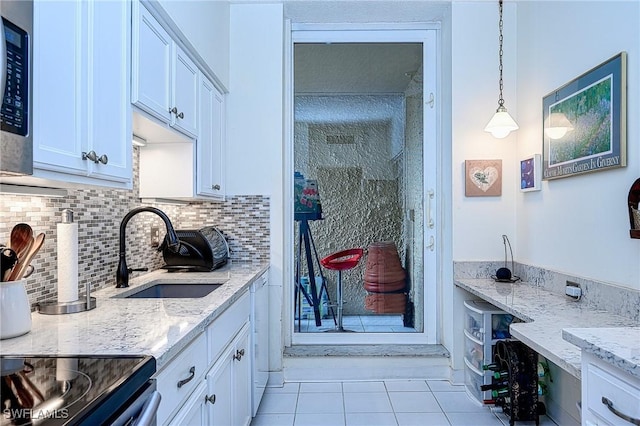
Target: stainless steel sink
168, 290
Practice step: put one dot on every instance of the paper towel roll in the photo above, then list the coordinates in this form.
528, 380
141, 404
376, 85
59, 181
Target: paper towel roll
67, 262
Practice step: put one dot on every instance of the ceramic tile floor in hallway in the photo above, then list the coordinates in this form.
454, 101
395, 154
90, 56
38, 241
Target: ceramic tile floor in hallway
388, 403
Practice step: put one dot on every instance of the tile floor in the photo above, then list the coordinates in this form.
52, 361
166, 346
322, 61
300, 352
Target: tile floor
384, 403
360, 323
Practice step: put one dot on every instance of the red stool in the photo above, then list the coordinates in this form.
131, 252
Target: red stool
342, 261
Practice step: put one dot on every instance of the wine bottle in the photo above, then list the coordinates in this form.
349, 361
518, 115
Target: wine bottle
502, 401
500, 392
492, 367
543, 369
501, 374
542, 389
494, 386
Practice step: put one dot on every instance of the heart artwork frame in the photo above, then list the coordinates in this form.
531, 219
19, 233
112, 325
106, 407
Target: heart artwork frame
483, 178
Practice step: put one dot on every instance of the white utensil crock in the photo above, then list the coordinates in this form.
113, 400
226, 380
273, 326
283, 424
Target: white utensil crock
15, 311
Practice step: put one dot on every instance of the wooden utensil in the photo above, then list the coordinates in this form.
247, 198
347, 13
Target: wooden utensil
20, 255
20, 240
19, 270
21, 235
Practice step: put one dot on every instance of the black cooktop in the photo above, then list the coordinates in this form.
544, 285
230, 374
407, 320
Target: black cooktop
68, 390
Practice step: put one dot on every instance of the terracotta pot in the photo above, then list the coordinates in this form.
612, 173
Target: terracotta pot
385, 287
383, 264
386, 303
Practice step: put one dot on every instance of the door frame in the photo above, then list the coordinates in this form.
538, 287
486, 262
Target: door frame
429, 35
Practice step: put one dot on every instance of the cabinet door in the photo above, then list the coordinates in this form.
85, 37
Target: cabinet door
210, 143
220, 386
59, 78
194, 412
151, 79
184, 93
242, 379
108, 103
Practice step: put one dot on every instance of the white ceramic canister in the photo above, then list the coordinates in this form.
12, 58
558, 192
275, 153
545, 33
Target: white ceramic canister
15, 311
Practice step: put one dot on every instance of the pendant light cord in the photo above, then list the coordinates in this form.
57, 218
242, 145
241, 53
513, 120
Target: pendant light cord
500, 52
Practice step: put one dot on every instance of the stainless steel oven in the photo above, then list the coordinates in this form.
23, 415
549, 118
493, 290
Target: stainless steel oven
82, 390
16, 124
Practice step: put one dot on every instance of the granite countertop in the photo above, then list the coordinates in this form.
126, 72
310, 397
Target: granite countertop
618, 346
120, 326
546, 314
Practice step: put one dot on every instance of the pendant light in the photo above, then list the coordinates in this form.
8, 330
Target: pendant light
501, 124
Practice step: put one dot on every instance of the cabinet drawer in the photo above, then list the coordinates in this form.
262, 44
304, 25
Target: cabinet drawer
473, 353
473, 381
473, 322
180, 376
226, 326
623, 391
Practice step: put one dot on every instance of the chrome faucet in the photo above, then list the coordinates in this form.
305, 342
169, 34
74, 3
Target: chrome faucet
173, 243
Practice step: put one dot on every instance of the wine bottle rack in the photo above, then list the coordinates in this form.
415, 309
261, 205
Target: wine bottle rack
519, 399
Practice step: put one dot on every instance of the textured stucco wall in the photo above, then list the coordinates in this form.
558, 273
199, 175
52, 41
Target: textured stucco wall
359, 190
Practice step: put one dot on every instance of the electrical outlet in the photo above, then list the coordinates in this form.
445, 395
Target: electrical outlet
573, 290
155, 236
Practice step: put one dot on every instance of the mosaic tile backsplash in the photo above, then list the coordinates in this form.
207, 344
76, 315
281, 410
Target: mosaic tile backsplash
243, 220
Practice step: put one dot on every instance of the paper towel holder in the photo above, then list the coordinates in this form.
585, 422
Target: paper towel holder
80, 305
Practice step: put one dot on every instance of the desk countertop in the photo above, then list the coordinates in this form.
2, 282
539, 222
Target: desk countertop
546, 314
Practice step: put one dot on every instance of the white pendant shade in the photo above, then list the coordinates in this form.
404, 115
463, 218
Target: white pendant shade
501, 124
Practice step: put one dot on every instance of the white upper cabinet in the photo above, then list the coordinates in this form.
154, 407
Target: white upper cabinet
210, 147
151, 66
165, 79
185, 94
81, 69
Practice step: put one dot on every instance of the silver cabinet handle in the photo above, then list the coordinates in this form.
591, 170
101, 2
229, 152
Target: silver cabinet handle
173, 110
210, 399
239, 354
216, 187
606, 401
91, 156
192, 374
181, 115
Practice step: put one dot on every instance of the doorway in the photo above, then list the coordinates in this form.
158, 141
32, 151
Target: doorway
363, 150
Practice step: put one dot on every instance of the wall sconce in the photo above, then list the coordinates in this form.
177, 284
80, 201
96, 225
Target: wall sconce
501, 124
557, 125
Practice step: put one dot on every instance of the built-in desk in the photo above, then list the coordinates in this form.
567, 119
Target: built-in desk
545, 315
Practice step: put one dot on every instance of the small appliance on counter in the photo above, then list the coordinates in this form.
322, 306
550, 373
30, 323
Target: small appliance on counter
201, 250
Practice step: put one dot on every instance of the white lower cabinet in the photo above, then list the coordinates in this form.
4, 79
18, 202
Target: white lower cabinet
229, 383
609, 395
209, 382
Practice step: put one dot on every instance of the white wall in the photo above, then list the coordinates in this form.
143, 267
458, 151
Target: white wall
255, 132
205, 23
479, 222
578, 225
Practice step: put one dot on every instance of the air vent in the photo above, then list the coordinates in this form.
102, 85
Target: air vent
341, 139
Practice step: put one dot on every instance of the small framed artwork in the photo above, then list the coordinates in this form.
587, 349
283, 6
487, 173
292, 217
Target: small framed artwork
584, 122
530, 173
483, 178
